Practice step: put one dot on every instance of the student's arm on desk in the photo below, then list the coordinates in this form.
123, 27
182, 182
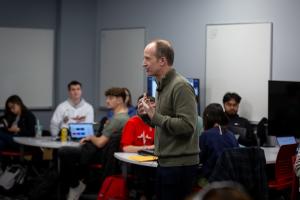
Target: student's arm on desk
97, 141
135, 149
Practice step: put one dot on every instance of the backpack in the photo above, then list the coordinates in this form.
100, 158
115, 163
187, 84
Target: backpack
113, 188
13, 176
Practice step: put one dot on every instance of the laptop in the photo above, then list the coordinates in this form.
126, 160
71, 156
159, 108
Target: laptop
238, 131
81, 130
286, 140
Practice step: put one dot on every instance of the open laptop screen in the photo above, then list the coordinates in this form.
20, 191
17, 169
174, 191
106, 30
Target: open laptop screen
286, 140
80, 130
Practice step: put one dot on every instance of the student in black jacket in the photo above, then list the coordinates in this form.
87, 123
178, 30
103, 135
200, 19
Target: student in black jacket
17, 121
237, 124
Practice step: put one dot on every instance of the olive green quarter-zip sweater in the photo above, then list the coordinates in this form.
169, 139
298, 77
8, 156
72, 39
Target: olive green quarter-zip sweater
176, 141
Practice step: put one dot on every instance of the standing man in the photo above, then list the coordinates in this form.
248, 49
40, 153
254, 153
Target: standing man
237, 124
74, 110
175, 116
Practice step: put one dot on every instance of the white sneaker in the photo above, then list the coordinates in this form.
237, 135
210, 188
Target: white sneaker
74, 193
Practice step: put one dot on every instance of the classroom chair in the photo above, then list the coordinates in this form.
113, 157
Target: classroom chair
246, 166
295, 182
283, 169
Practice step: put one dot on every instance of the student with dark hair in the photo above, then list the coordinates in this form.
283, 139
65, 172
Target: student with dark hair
75, 160
17, 121
74, 110
138, 135
237, 124
131, 110
128, 101
224, 191
215, 138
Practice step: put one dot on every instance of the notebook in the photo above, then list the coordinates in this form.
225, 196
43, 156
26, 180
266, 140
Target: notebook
141, 158
286, 140
80, 130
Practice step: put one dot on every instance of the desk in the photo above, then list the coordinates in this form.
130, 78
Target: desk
44, 142
271, 154
123, 156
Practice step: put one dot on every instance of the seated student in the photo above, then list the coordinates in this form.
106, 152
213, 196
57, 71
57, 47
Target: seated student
137, 135
130, 107
231, 103
74, 110
215, 138
128, 102
17, 121
75, 160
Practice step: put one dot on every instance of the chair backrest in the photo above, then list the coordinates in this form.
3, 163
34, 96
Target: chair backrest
109, 162
283, 165
262, 131
246, 166
295, 182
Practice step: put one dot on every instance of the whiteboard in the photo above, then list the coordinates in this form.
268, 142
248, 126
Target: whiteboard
121, 59
27, 66
238, 59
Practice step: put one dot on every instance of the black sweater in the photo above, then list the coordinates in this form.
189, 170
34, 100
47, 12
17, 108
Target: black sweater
26, 123
236, 121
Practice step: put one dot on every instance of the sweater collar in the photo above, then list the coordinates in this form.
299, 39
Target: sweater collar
232, 116
76, 105
166, 79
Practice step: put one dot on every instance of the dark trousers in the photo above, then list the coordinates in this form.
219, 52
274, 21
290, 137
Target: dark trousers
175, 182
74, 162
144, 181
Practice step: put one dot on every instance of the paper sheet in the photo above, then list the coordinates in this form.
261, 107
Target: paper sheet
142, 158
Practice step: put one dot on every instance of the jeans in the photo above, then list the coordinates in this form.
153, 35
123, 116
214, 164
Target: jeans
74, 162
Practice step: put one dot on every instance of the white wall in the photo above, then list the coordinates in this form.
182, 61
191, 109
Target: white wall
183, 22
75, 48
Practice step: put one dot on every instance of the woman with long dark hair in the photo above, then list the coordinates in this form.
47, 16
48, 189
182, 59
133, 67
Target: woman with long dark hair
17, 121
215, 138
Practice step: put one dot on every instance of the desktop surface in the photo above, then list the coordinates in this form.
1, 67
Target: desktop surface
44, 142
